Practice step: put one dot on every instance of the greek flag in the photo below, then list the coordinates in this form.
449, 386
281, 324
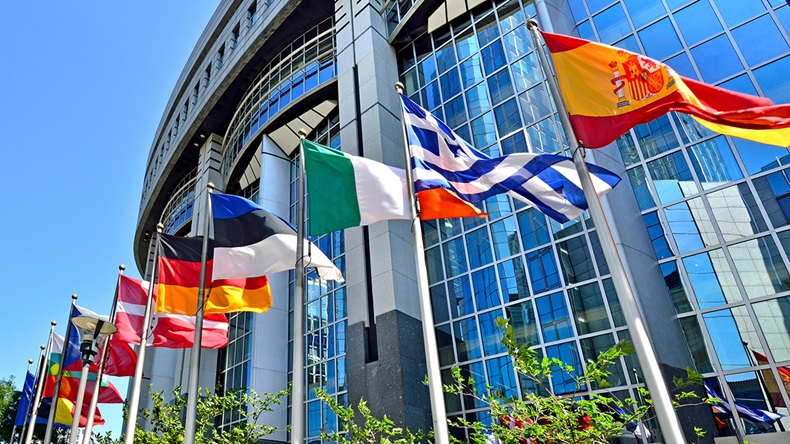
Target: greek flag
441, 159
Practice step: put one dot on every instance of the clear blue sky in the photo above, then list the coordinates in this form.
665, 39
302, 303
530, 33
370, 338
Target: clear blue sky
83, 85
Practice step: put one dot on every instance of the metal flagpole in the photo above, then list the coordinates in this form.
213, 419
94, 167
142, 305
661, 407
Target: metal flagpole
662, 402
27, 423
440, 431
297, 380
134, 395
194, 365
13, 428
102, 359
56, 391
40, 384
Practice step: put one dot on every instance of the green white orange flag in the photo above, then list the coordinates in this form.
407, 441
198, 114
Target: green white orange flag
348, 191
608, 90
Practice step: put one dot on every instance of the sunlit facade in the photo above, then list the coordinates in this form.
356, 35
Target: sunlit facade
701, 219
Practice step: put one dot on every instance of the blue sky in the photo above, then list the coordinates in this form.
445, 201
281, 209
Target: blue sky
83, 85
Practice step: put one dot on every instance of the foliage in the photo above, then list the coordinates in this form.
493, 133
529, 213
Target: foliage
166, 427
370, 430
6, 393
543, 417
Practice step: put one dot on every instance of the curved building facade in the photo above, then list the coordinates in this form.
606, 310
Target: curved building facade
700, 219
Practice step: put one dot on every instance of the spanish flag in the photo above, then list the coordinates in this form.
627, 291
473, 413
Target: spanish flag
608, 91
179, 278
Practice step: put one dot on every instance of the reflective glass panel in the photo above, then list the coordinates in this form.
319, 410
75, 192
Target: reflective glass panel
671, 177
485, 288
543, 273
445, 57
433, 259
597, 5
483, 131
493, 57
643, 12
454, 257
491, 333
760, 267
526, 72
472, 71
612, 24
577, 9
444, 343
714, 163
543, 137
759, 40
736, 212
477, 101
554, 320
657, 235
660, 40
451, 84
711, 279
569, 355
628, 149
498, 206
507, 118
475, 371
639, 184
426, 70
656, 137
501, 376
696, 344
736, 11
774, 319
513, 280
439, 303
758, 157
681, 63
532, 224
586, 31
697, 22
460, 296
690, 129
674, 282
773, 80
741, 84
716, 59
726, 338
589, 311
479, 246
517, 43
576, 260
505, 238
535, 104
487, 29
522, 318
500, 86
466, 44
592, 347
467, 339
690, 225
747, 390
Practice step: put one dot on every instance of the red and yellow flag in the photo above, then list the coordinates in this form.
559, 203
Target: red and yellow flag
608, 91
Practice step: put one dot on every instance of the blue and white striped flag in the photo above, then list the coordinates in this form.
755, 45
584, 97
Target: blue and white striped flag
441, 159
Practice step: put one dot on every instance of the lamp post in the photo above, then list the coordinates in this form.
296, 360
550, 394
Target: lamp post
91, 327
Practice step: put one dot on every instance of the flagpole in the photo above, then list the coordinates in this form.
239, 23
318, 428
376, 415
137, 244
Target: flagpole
297, 380
13, 428
56, 390
441, 434
662, 402
40, 384
86, 439
134, 396
194, 365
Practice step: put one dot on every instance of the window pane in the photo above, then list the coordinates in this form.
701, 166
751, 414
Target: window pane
493, 57
612, 24
657, 235
575, 259
532, 224
505, 238
569, 355
592, 347
507, 118
760, 267
690, 225
758, 157
439, 303
553, 314
444, 344
643, 12
639, 184
454, 257
477, 100
696, 344
451, 84
736, 212
445, 57
774, 81
681, 63
741, 84
543, 273
485, 288
517, 43
672, 178
716, 59
498, 206
660, 40
656, 137
714, 163
589, 311
543, 137
614, 303
726, 338
736, 11
491, 333
522, 318
483, 133
677, 292
628, 151
472, 71
466, 44
460, 295
535, 104
433, 259
526, 72
467, 340
711, 279
513, 279
500, 86
774, 319
697, 22
501, 377
479, 246
690, 129
759, 40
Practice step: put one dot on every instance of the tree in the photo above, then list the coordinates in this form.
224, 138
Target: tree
166, 426
7, 391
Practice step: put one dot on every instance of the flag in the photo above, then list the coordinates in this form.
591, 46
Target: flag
348, 191
250, 241
770, 382
24, 400
64, 414
442, 160
166, 330
179, 278
121, 359
608, 90
747, 413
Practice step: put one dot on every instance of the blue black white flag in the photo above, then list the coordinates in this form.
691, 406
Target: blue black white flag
441, 159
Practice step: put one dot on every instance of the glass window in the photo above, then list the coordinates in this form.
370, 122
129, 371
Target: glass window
639, 184
479, 245
455, 112
472, 71
439, 304
726, 338
554, 320
698, 22
690, 130
746, 389
675, 4
656, 137
507, 117
589, 311
742, 84
773, 80
543, 137
433, 259
526, 72
532, 224
498, 206
487, 29
628, 151
466, 44
671, 177
444, 343
485, 287
576, 260
711, 279
426, 70
681, 63
567, 353
560, 230
454, 257
430, 96
758, 157
451, 84
491, 333
577, 9
513, 280
483, 132
501, 377
535, 104
500, 86
736, 11
696, 344
515, 143
643, 12
716, 59
460, 297
690, 225
736, 212
774, 319
759, 40
510, 15
505, 238
592, 347
477, 100
674, 283
543, 273
760, 267
586, 31
657, 235
517, 43
522, 318
493, 57
612, 24
445, 57
467, 339
597, 5
614, 303
450, 228
660, 40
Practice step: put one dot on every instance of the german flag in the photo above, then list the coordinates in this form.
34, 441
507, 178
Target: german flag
179, 278
609, 90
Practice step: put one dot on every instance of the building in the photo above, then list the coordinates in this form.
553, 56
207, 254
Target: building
702, 219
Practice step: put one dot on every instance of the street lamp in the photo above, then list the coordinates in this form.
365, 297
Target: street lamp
93, 328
